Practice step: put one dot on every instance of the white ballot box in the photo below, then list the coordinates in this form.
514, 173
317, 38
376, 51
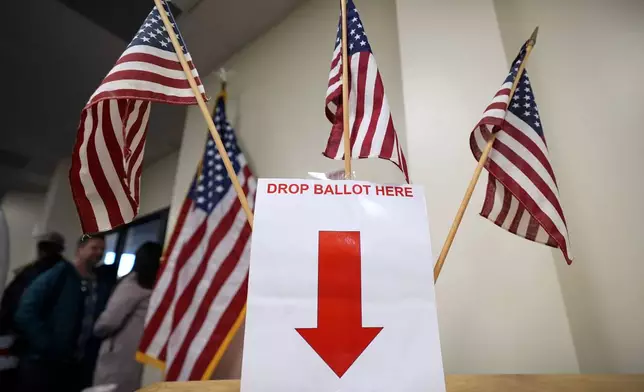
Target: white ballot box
341, 292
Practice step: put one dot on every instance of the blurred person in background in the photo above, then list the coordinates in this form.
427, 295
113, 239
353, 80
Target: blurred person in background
121, 324
49, 249
56, 317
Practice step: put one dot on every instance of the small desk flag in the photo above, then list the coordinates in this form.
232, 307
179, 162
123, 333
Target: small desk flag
372, 133
107, 160
522, 195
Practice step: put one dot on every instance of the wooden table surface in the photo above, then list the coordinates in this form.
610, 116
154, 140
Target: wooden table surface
468, 383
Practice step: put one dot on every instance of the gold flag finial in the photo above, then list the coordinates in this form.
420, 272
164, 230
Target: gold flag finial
223, 77
223, 74
533, 38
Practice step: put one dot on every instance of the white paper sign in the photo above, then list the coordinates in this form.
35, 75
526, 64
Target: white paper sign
341, 292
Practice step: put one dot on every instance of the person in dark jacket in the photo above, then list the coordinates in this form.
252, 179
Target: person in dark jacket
49, 248
56, 317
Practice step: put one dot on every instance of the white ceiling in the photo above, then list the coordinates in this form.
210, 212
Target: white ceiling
58, 57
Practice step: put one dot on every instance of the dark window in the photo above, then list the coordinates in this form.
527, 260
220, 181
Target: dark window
122, 243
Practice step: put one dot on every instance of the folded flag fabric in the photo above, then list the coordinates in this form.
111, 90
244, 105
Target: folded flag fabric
105, 174
522, 195
372, 130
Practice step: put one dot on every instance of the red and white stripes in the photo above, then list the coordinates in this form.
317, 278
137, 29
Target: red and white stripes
372, 131
207, 259
522, 195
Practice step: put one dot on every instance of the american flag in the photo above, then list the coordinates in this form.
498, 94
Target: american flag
106, 162
372, 129
200, 294
522, 195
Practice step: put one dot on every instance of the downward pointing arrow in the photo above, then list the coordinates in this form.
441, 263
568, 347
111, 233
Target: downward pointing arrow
339, 338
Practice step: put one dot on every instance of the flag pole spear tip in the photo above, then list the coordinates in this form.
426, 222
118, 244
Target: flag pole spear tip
223, 74
533, 37
223, 77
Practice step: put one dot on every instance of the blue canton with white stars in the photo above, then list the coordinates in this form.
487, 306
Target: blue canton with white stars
212, 182
153, 33
523, 104
356, 37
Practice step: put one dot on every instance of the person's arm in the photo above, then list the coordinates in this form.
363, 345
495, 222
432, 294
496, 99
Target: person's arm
121, 304
11, 298
28, 317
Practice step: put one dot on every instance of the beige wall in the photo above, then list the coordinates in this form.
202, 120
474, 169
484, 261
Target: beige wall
22, 212
60, 212
157, 184
587, 72
499, 301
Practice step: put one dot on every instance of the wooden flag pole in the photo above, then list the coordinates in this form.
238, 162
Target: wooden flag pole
206, 115
479, 167
345, 93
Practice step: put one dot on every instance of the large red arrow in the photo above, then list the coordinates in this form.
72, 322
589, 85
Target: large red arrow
339, 338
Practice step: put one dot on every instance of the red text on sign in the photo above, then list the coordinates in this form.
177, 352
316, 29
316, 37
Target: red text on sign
391, 190
341, 189
287, 189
